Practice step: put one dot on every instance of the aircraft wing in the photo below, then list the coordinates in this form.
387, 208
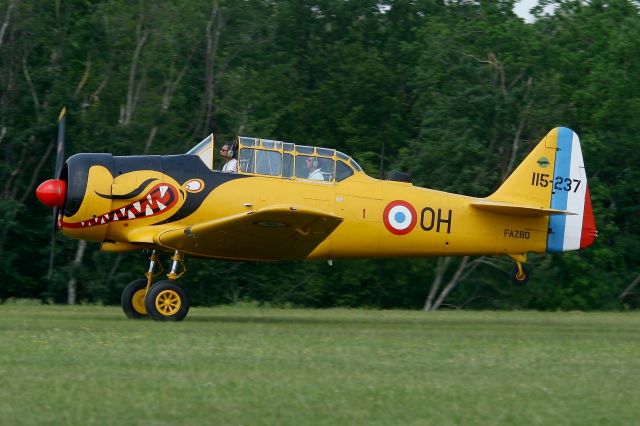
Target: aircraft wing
280, 232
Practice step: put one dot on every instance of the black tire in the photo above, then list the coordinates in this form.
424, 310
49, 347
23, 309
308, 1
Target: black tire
167, 302
520, 280
132, 299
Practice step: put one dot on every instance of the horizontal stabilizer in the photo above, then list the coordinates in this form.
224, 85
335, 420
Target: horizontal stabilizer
502, 207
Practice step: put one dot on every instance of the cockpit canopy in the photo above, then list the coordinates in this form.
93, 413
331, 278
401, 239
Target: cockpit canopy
283, 159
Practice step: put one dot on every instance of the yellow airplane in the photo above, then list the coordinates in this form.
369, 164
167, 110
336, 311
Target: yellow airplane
289, 201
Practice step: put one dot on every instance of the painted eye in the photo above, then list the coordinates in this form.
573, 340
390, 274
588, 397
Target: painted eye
194, 185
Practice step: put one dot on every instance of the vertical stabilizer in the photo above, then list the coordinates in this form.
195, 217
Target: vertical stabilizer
553, 176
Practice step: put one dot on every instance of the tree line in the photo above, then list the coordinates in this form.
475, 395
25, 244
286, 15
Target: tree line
457, 92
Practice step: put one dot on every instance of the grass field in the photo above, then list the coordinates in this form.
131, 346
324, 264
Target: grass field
250, 366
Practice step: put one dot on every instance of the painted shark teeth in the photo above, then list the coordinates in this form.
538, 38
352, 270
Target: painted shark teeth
157, 200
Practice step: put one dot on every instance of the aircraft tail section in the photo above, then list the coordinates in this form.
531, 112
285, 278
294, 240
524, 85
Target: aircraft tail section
551, 181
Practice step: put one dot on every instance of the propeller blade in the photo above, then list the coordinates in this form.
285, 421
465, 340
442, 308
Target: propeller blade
52, 253
60, 147
58, 170
56, 210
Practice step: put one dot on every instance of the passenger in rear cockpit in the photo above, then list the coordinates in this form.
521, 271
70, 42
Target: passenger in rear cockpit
315, 172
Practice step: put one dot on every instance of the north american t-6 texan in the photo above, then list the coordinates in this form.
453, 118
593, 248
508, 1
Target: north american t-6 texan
286, 201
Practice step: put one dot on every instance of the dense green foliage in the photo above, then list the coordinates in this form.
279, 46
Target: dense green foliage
457, 91
242, 365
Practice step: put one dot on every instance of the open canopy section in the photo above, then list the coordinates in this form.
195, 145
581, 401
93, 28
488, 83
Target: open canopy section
204, 150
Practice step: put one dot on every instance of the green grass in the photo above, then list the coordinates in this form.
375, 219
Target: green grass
249, 366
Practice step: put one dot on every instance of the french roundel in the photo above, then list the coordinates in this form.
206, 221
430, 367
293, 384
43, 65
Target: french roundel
399, 217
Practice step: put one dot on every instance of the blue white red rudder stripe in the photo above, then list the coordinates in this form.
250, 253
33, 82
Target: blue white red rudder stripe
570, 192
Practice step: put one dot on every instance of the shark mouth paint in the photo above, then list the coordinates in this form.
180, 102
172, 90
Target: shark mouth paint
159, 199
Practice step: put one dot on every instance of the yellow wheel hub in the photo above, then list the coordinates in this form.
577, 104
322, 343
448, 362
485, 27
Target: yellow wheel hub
168, 302
138, 301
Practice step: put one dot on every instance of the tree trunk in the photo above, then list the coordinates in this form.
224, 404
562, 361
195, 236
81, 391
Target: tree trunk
77, 261
443, 264
133, 90
7, 18
455, 280
629, 290
464, 269
213, 31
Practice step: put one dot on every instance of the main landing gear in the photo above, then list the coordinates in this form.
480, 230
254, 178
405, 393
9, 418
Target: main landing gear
520, 273
161, 300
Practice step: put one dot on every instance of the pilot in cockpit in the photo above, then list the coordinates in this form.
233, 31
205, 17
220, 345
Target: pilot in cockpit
230, 163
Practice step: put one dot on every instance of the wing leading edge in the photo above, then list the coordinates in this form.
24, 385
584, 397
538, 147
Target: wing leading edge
280, 232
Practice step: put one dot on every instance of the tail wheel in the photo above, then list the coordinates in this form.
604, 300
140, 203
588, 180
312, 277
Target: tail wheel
132, 299
167, 302
520, 277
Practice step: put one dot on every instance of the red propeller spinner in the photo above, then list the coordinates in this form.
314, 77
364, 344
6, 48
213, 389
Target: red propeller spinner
52, 192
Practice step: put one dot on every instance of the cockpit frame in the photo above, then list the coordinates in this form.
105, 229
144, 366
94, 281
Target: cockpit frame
291, 161
285, 160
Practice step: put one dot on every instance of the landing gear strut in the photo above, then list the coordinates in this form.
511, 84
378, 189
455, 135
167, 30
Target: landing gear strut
162, 300
520, 273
